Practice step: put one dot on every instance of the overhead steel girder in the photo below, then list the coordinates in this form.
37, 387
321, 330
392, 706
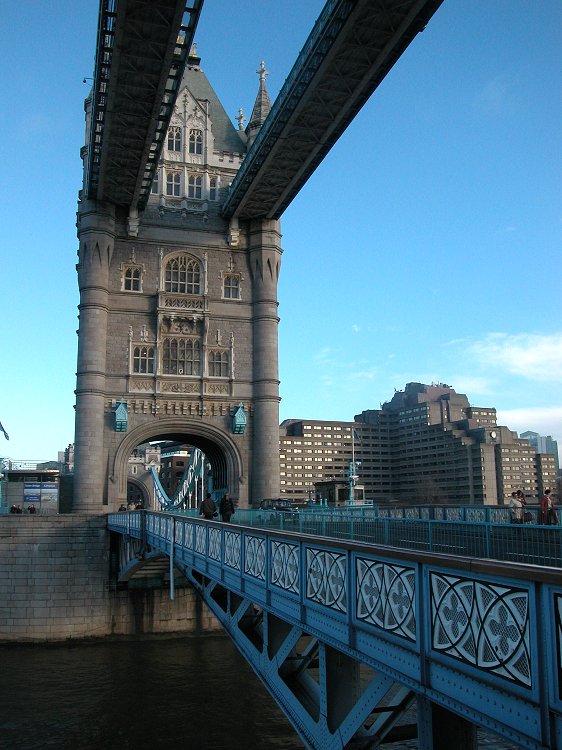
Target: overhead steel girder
351, 48
142, 50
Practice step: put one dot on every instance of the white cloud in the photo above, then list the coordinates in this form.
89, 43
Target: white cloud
355, 328
498, 95
528, 355
369, 374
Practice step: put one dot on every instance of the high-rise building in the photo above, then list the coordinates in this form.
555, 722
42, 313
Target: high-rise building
543, 444
442, 448
314, 451
426, 445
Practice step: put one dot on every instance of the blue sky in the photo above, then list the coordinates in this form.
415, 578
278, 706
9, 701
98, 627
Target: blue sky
426, 247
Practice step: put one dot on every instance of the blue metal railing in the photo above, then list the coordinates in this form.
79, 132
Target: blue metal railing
482, 638
502, 540
468, 531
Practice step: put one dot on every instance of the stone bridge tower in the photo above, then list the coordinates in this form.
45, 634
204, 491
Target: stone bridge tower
178, 315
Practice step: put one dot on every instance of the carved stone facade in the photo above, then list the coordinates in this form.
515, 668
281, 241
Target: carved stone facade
178, 317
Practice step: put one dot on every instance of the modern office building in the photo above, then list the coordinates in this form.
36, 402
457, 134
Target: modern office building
315, 453
543, 444
444, 449
426, 445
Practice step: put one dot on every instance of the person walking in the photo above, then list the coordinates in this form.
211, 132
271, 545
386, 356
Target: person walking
516, 503
549, 516
207, 508
226, 508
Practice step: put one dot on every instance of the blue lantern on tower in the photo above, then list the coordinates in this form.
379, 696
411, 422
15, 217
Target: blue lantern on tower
239, 419
121, 416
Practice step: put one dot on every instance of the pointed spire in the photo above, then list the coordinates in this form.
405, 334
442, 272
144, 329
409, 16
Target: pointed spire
261, 106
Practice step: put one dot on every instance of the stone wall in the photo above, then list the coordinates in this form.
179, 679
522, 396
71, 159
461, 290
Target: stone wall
55, 585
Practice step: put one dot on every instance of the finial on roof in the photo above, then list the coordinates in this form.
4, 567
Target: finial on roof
262, 72
241, 119
193, 58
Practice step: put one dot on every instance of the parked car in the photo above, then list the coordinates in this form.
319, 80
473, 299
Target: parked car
278, 503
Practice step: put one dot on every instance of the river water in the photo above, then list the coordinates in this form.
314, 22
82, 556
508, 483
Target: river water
161, 693
191, 693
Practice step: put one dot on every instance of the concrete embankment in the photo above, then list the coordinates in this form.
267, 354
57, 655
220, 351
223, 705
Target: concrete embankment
55, 584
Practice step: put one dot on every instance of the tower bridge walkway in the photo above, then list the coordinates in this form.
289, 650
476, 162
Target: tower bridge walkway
347, 635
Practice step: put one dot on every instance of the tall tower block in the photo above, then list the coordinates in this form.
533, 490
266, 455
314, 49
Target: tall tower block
178, 316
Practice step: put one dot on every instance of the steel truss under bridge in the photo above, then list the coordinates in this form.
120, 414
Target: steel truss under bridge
344, 635
352, 47
142, 50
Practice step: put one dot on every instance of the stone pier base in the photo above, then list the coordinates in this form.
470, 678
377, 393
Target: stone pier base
55, 585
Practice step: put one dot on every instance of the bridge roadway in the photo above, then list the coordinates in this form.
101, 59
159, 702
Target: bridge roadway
347, 635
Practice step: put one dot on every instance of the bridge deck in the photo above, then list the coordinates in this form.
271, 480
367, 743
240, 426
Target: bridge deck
482, 639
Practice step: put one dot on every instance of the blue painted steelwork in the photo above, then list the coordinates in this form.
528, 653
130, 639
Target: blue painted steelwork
482, 639
350, 50
193, 472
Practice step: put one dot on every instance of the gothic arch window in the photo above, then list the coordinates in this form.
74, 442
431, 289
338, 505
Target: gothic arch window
181, 356
173, 184
213, 189
132, 279
143, 359
195, 141
174, 138
182, 275
194, 186
231, 286
218, 364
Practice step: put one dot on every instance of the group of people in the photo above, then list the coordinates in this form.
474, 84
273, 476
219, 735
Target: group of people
132, 506
18, 509
547, 512
208, 509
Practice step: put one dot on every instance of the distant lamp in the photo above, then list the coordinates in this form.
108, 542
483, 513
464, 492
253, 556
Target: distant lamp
121, 416
239, 419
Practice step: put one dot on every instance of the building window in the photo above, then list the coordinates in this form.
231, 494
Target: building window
173, 184
181, 356
213, 186
174, 138
194, 186
231, 287
218, 364
182, 275
195, 141
155, 186
132, 279
143, 359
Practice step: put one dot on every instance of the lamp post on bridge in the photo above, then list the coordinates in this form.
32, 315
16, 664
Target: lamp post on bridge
352, 469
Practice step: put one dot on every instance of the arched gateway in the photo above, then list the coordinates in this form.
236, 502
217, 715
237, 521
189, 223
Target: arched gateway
221, 452
178, 314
